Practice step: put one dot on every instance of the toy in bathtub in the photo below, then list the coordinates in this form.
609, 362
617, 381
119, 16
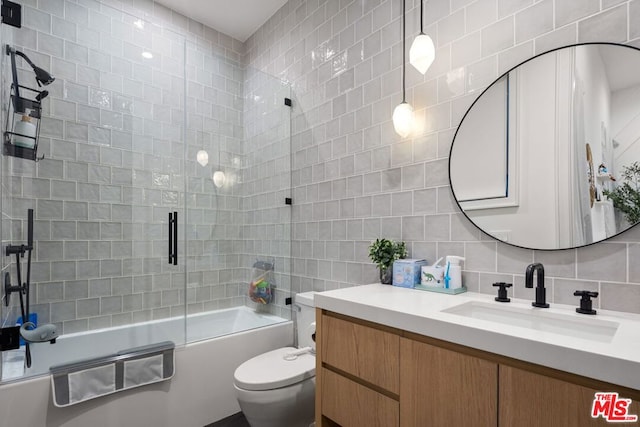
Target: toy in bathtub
261, 290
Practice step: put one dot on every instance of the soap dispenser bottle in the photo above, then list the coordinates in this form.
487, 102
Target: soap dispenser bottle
25, 133
453, 275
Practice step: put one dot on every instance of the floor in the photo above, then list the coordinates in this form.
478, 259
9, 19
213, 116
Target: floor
235, 420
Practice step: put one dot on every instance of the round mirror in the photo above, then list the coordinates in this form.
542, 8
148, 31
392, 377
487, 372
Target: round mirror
548, 156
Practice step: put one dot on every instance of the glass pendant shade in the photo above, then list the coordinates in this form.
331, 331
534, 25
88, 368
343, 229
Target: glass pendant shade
202, 157
403, 119
422, 53
219, 178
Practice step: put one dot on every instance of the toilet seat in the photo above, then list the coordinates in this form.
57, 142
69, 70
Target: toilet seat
270, 370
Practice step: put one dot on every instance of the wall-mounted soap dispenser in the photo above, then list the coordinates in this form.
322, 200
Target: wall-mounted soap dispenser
453, 272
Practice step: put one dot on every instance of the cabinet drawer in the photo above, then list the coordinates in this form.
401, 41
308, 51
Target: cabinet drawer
362, 351
351, 404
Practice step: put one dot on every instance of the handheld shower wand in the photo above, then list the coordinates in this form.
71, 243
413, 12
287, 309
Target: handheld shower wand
28, 331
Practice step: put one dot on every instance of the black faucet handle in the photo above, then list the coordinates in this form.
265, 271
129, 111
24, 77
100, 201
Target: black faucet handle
586, 294
586, 305
502, 291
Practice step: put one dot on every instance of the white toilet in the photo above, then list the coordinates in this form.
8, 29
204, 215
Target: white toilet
278, 391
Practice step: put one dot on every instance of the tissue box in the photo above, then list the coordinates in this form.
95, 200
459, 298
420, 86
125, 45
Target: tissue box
406, 272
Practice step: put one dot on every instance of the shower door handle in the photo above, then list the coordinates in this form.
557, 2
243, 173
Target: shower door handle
170, 246
173, 238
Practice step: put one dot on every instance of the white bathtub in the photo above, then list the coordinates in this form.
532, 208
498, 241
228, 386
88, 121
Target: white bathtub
200, 393
103, 342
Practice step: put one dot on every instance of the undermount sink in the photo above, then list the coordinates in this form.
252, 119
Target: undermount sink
538, 319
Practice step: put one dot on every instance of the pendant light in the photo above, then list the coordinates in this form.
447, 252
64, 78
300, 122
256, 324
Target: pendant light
422, 52
202, 157
403, 113
219, 178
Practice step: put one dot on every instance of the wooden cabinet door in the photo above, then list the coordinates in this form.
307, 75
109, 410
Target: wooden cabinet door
440, 387
530, 399
350, 404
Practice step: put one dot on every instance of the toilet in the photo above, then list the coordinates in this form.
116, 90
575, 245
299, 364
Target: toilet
277, 388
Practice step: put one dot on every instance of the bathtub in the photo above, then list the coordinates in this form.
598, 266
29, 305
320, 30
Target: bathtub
200, 393
86, 345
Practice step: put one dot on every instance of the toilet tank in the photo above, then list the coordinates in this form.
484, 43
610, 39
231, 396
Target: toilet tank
305, 319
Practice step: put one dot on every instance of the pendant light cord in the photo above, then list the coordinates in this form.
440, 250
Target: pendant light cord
404, 24
421, 15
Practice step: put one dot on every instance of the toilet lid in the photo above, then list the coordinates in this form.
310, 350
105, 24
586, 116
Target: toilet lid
269, 371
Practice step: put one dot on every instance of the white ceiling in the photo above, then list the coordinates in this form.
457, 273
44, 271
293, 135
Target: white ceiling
236, 18
621, 66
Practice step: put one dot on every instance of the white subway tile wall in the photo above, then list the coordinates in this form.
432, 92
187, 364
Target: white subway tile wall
350, 169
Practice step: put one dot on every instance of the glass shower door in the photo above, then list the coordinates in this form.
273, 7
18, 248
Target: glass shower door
238, 177
112, 137
266, 187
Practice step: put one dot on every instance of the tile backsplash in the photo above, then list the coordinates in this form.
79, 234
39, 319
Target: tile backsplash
355, 180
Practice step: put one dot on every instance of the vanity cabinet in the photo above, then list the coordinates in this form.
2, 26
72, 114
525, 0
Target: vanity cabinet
373, 375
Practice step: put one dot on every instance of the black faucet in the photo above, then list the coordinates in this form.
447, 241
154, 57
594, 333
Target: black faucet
540, 290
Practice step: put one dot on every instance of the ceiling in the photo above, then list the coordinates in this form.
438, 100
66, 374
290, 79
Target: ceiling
621, 66
236, 18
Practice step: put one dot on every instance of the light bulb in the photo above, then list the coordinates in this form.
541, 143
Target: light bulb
202, 157
219, 178
422, 53
403, 119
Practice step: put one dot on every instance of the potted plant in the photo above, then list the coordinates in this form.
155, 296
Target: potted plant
626, 197
383, 252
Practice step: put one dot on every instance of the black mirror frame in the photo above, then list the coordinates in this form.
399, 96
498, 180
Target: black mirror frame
471, 107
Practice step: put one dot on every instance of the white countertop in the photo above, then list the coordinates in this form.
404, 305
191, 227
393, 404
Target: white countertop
617, 361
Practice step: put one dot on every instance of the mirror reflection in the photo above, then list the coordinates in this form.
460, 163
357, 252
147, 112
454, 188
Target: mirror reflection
548, 156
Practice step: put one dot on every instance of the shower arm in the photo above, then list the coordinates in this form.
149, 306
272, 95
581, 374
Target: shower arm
14, 69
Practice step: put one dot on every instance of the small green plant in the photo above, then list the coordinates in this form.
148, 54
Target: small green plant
626, 197
384, 251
